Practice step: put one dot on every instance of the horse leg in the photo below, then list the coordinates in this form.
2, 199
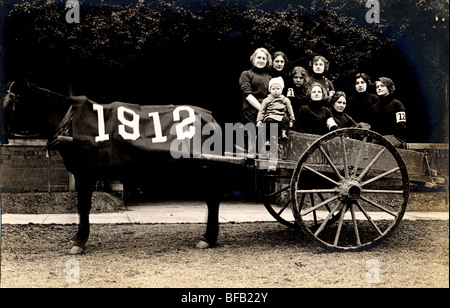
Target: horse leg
209, 239
214, 193
84, 186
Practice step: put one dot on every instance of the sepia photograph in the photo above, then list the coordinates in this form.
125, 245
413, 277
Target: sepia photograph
224, 151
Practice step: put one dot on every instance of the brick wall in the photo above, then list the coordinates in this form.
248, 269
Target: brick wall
26, 167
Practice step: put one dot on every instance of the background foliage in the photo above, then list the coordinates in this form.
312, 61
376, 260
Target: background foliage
192, 51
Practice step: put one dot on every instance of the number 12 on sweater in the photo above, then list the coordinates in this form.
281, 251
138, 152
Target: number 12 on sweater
400, 116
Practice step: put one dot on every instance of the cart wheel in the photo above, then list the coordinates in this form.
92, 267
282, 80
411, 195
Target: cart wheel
275, 197
358, 186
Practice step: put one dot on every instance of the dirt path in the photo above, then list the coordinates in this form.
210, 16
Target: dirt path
259, 255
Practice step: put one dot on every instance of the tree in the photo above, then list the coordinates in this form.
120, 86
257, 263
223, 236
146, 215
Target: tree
159, 52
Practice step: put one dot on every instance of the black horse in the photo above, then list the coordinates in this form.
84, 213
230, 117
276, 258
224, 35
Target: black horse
58, 125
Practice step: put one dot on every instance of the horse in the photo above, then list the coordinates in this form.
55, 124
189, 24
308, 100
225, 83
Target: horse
81, 160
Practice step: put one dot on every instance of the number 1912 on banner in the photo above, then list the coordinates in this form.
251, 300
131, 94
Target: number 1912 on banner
129, 124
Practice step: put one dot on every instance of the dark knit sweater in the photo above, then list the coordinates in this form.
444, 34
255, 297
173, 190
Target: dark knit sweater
312, 119
359, 106
342, 119
326, 83
254, 81
297, 96
389, 117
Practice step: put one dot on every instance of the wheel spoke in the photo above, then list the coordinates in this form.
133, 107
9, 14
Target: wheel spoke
381, 191
359, 157
378, 206
308, 191
319, 205
368, 217
324, 223
320, 174
323, 199
279, 191
355, 225
380, 176
301, 201
345, 157
311, 198
374, 160
273, 197
330, 162
341, 220
283, 208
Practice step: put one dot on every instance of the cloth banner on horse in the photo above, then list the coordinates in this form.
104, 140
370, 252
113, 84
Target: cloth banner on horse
117, 134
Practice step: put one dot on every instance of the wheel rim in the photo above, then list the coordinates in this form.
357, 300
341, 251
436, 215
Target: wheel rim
358, 186
274, 200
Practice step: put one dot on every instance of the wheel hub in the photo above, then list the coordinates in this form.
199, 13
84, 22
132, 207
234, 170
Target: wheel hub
350, 189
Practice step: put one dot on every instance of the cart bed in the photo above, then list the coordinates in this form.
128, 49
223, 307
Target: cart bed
419, 163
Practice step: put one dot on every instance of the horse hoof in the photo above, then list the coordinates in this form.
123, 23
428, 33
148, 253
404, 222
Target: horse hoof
202, 245
76, 250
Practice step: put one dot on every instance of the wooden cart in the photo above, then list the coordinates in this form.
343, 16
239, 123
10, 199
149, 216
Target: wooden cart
347, 190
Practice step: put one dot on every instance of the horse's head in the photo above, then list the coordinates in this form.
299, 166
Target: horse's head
32, 112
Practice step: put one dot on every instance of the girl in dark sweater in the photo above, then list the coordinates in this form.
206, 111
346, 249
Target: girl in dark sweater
359, 106
338, 103
254, 83
320, 66
280, 66
389, 115
315, 118
297, 87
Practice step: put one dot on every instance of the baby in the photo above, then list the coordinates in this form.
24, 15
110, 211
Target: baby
276, 108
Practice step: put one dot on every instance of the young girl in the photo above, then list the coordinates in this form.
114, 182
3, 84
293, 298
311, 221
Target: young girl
338, 103
389, 116
297, 88
280, 65
359, 106
276, 108
254, 83
320, 67
315, 118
